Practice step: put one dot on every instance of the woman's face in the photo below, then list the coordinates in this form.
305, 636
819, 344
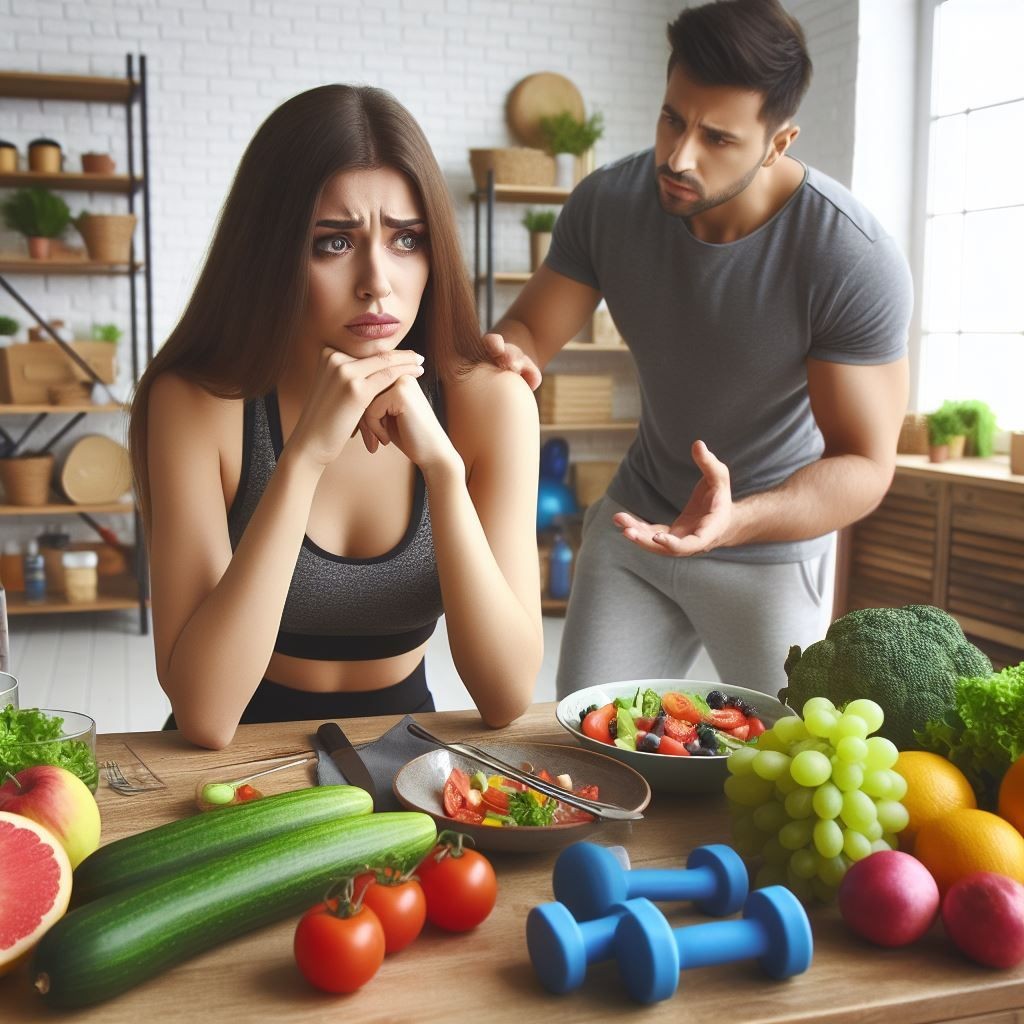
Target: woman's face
369, 264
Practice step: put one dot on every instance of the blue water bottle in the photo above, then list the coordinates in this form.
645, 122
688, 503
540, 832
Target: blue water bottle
35, 574
560, 568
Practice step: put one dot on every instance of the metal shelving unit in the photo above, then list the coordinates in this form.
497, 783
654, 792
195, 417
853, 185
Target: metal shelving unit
117, 592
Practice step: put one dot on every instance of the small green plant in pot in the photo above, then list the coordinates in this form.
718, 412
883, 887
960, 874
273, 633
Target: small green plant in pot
39, 215
569, 138
979, 425
540, 224
8, 327
107, 332
943, 425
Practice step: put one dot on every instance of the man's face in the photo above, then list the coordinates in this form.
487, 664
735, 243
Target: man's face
709, 145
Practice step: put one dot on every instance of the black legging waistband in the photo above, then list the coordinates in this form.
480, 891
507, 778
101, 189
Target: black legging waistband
274, 702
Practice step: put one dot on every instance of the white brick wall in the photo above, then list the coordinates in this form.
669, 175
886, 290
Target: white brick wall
218, 67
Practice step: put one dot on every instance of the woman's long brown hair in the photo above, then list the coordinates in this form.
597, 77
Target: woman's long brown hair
235, 334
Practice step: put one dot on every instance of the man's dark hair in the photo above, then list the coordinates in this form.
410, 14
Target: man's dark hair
750, 44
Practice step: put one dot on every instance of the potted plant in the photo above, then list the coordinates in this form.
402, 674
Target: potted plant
107, 332
979, 425
943, 424
8, 329
39, 215
108, 236
958, 439
567, 139
540, 224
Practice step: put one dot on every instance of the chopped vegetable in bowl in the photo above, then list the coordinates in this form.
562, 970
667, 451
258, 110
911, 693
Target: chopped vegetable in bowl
30, 736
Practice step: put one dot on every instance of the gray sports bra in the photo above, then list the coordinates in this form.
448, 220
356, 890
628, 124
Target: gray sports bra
342, 609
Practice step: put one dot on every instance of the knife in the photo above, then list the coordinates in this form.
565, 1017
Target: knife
346, 757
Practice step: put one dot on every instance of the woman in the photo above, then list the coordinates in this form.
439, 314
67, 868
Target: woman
326, 378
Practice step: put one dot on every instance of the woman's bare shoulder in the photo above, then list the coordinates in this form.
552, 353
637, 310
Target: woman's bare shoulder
176, 401
486, 389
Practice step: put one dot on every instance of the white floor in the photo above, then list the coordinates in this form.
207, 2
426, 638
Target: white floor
99, 664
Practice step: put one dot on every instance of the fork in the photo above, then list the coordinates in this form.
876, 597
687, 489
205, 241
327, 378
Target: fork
600, 809
116, 780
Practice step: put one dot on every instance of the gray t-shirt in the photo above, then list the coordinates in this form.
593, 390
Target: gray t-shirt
721, 333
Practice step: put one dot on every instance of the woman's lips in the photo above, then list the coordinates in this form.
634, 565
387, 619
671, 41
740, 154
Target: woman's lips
374, 330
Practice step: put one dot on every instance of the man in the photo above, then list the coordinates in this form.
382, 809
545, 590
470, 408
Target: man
766, 310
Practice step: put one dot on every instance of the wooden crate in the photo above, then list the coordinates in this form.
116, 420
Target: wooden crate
28, 373
571, 398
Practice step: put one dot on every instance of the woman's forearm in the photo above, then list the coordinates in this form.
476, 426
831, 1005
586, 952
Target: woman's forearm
221, 654
496, 642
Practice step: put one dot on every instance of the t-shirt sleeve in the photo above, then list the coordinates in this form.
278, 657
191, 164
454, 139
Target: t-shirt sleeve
867, 318
572, 240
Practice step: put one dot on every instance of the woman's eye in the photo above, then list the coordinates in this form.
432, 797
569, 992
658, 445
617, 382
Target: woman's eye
334, 244
409, 242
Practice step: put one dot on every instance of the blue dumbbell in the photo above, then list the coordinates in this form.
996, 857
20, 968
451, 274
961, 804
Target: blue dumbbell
561, 948
589, 880
651, 953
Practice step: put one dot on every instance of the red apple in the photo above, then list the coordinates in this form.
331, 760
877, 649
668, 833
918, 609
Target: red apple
59, 801
889, 898
983, 914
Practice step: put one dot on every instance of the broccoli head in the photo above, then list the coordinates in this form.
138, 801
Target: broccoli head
907, 659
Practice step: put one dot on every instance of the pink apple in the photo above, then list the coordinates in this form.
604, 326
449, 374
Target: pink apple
983, 914
59, 801
889, 898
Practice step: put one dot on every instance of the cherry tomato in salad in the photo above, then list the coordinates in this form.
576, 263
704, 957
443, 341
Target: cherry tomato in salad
456, 791
741, 732
495, 800
459, 885
339, 946
468, 815
756, 727
401, 907
595, 725
727, 718
670, 746
678, 705
682, 732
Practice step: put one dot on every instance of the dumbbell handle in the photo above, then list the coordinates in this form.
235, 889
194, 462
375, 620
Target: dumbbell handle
671, 884
719, 942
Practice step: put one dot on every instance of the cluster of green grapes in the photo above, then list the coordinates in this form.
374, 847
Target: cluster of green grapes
815, 794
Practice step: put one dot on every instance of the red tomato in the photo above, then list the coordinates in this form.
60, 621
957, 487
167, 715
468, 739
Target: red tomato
467, 815
644, 723
595, 725
756, 727
247, 792
456, 791
681, 732
590, 792
459, 885
671, 746
678, 705
335, 953
495, 800
742, 732
727, 718
401, 907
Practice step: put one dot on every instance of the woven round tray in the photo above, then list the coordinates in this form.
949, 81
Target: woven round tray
96, 470
541, 95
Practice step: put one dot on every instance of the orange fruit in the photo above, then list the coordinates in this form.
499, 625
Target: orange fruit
1011, 795
968, 840
35, 886
935, 787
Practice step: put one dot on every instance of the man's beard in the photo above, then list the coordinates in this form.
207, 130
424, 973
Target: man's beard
680, 208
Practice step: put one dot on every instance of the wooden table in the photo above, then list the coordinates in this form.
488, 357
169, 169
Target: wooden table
486, 974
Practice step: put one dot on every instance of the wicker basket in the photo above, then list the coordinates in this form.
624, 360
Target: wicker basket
27, 480
913, 438
515, 165
108, 236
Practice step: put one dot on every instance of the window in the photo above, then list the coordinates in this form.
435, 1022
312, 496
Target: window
972, 304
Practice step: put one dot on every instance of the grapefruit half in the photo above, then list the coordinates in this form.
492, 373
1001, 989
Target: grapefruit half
35, 885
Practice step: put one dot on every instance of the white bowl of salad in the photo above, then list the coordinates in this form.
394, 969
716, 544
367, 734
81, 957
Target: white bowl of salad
677, 733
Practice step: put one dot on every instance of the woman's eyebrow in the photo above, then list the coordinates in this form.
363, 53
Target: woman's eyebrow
391, 222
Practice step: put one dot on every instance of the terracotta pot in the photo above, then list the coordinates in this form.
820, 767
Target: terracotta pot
39, 248
97, 163
938, 452
540, 242
27, 480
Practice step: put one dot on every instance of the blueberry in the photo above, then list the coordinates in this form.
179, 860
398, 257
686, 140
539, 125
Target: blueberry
716, 700
613, 727
693, 747
650, 743
707, 737
658, 727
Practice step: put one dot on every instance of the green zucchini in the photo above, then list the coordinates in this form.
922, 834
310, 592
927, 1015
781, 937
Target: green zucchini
200, 837
106, 947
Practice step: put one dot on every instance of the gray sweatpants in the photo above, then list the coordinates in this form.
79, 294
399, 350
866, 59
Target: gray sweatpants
637, 615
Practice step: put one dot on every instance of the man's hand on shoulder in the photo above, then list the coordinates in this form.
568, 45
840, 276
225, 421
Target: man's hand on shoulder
507, 356
701, 527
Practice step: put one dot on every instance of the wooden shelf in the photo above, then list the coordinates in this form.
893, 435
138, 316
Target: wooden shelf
507, 277
72, 182
115, 593
525, 194
23, 265
553, 606
85, 88
14, 410
66, 508
578, 428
